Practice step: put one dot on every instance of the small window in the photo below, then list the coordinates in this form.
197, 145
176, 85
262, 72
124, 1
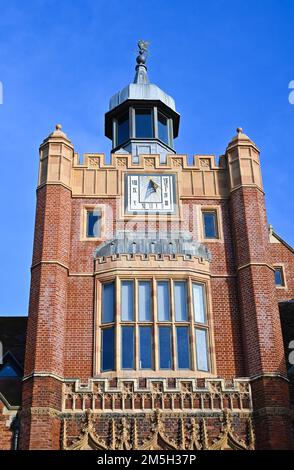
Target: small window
127, 337
146, 347
183, 350
165, 356
108, 297
107, 349
123, 129
279, 277
127, 301
163, 128
210, 224
93, 224
144, 123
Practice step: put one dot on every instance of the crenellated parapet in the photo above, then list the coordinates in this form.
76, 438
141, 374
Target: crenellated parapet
95, 177
142, 394
141, 262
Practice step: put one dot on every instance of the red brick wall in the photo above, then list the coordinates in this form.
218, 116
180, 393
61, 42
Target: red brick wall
46, 339
262, 336
48, 296
78, 357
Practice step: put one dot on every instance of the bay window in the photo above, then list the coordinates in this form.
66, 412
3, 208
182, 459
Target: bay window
154, 324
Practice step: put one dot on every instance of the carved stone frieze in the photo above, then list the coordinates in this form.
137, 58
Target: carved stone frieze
101, 395
155, 431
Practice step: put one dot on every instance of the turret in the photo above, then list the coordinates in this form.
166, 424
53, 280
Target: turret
142, 119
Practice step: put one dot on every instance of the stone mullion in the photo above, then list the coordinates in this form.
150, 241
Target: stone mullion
97, 327
173, 327
136, 326
192, 327
117, 355
155, 320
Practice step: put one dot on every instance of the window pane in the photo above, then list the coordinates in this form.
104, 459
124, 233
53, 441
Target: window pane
163, 303
127, 300
279, 280
180, 294
199, 303
144, 124
164, 347
93, 224
183, 349
108, 349
201, 348
146, 347
127, 337
123, 130
210, 226
163, 128
108, 301
144, 301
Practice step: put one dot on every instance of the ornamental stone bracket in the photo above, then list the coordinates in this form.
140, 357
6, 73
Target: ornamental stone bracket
156, 431
143, 395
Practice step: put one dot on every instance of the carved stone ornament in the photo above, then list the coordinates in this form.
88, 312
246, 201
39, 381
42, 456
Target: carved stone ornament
127, 433
178, 162
94, 162
205, 163
149, 162
121, 162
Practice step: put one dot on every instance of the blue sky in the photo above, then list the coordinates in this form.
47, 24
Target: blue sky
227, 63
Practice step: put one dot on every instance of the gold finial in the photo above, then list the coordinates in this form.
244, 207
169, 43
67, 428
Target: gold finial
239, 130
58, 127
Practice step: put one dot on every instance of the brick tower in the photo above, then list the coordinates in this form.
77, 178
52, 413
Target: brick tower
262, 336
153, 318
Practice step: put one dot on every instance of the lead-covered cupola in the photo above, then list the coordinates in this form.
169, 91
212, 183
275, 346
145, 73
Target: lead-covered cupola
142, 118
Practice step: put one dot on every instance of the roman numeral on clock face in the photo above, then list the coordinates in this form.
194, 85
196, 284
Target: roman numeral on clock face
150, 193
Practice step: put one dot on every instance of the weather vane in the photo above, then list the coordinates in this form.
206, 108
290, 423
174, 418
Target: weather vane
143, 52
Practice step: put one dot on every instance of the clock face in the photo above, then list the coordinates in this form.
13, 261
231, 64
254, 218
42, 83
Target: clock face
150, 193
